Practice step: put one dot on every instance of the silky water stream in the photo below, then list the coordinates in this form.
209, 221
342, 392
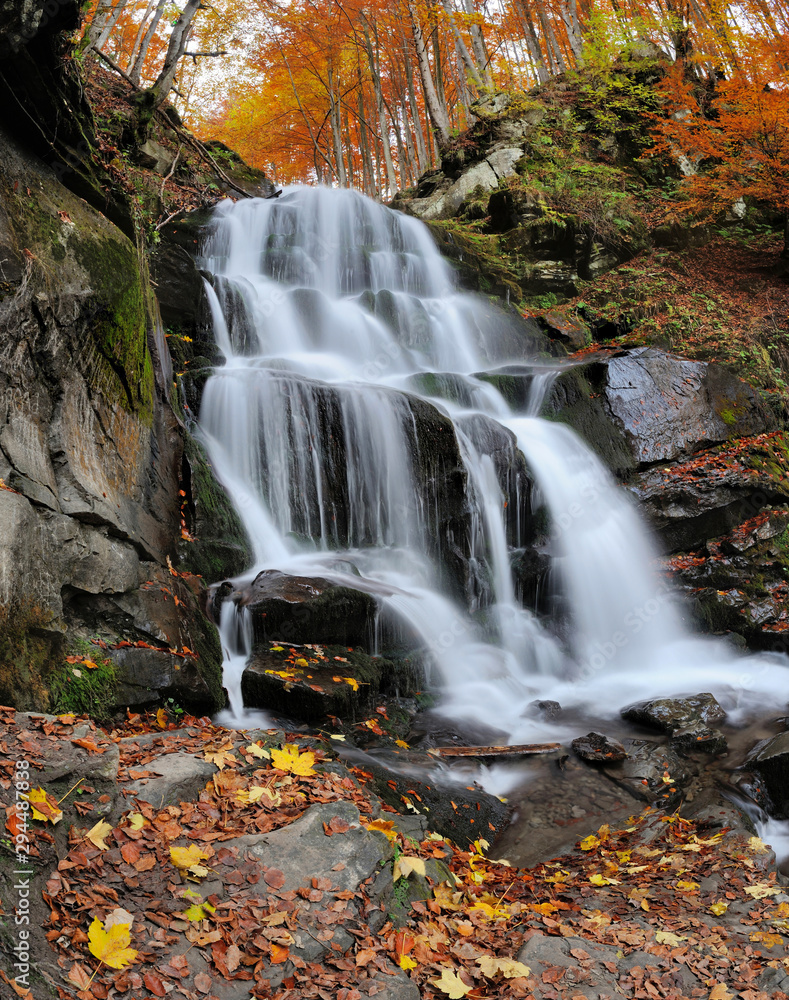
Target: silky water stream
349, 351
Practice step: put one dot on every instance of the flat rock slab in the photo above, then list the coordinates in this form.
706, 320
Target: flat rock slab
325, 852
182, 776
571, 964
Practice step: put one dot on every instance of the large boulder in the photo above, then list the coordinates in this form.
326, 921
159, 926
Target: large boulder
658, 407
308, 609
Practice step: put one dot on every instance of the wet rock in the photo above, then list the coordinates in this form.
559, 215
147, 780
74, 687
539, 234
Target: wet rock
324, 681
308, 609
548, 710
652, 773
460, 813
699, 739
771, 762
671, 714
598, 749
661, 405
571, 332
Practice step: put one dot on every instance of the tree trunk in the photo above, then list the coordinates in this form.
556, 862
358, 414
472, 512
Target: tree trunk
135, 72
462, 49
419, 135
569, 12
100, 19
112, 20
373, 58
438, 115
480, 49
175, 49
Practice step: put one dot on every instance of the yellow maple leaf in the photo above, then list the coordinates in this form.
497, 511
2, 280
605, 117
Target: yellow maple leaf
719, 908
276, 649
220, 757
720, 991
161, 718
666, 937
589, 843
301, 662
687, 886
90, 665
110, 943
136, 821
757, 845
451, 984
492, 966
289, 759
257, 751
44, 806
490, 910
403, 867
402, 743
187, 859
352, 682
598, 879
384, 826
762, 890
97, 834
406, 963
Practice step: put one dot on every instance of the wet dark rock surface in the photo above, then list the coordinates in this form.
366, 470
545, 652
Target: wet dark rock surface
771, 762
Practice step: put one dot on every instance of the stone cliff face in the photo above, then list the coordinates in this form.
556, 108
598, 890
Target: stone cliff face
90, 445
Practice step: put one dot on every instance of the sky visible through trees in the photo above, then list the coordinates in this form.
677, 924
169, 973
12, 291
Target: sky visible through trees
365, 94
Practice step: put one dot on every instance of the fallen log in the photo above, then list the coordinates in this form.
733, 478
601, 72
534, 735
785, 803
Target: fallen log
514, 751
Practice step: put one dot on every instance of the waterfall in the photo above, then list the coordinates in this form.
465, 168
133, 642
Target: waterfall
352, 424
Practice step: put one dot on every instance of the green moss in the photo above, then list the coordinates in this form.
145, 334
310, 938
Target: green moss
221, 548
121, 322
728, 417
28, 649
75, 687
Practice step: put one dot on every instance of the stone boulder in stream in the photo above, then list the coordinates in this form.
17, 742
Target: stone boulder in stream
770, 760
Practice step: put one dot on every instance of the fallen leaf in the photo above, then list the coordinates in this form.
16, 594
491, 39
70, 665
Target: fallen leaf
451, 984
761, 890
403, 867
97, 835
187, 859
257, 751
492, 966
384, 826
666, 937
111, 944
291, 761
44, 806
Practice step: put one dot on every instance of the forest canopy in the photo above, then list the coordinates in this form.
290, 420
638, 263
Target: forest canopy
368, 95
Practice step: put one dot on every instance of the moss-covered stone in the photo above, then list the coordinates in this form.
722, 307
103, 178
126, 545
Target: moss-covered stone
219, 547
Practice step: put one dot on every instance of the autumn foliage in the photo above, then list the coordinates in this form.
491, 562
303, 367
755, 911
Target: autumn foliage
366, 94
736, 143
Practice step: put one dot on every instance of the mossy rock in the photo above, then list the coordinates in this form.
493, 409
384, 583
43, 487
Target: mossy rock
220, 547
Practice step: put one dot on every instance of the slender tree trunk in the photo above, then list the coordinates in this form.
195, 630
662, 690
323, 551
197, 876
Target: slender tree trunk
101, 18
533, 44
480, 49
554, 52
110, 23
176, 47
461, 48
140, 33
135, 73
569, 12
419, 135
373, 57
438, 114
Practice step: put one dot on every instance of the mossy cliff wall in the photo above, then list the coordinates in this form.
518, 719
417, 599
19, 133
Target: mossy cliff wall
90, 444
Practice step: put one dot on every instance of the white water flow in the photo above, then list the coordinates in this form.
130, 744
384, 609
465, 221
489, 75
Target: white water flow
355, 435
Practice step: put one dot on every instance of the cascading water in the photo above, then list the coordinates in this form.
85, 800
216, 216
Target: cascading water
350, 361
